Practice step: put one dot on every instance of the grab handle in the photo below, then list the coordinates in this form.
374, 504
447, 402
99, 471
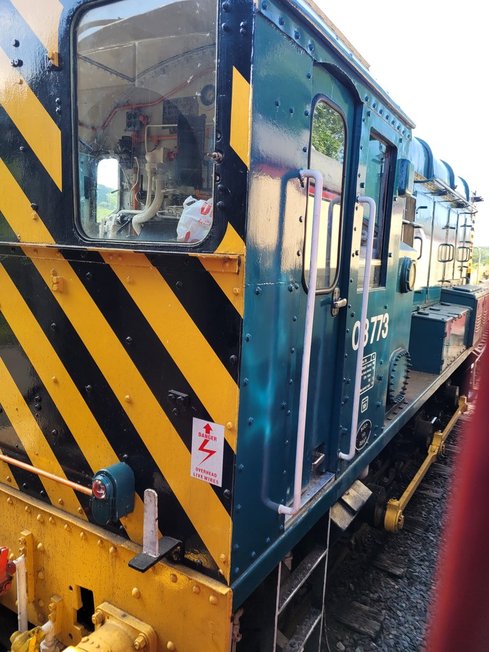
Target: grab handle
308, 328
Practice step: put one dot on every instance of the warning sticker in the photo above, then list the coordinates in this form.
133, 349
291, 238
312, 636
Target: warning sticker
207, 451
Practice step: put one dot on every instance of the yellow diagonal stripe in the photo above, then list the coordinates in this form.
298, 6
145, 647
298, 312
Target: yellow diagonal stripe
34, 442
189, 349
6, 476
31, 118
232, 242
16, 209
65, 395
197, 498
240, 134
43, 18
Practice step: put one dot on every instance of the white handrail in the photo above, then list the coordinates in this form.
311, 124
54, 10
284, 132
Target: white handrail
306, 354
361, 335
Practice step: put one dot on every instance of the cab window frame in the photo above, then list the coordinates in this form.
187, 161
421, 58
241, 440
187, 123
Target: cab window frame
220, 221
320, 97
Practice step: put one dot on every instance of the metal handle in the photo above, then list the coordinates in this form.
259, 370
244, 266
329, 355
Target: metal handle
363, 318
306, 354
337, 303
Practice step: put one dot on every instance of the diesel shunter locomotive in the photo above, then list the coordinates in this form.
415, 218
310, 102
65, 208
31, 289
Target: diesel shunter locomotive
229, 276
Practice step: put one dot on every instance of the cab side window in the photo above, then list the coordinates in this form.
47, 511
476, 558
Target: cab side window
379, 186
327, 154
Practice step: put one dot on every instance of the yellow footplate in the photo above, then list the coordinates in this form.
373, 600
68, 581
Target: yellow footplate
81, 591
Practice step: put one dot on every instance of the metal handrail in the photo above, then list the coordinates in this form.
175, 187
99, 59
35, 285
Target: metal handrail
306, 355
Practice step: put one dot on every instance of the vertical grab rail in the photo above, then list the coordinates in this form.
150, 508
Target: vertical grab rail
361, 335
306, 355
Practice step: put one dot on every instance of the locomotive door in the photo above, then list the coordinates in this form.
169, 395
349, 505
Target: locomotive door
332, 150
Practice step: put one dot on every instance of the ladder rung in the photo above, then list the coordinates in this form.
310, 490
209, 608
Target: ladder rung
299, 576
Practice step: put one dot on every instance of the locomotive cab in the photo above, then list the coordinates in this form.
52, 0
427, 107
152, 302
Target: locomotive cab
210, 220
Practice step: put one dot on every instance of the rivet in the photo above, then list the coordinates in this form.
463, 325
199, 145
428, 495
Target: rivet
40, 518
9, 479
61, 501
40, 575
128, 279
40, 603
127, 398
66, 527
51, 520
112, 550
222, 557
213, 599
236, 291
83, 536
80, 510
100, 543
170, 645
136, 593
196, 589
27, 509
40, 547
54, 379
251, 421
10, 501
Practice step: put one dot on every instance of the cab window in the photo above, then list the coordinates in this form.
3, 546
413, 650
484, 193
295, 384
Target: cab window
378, 185
327, 154
146, 74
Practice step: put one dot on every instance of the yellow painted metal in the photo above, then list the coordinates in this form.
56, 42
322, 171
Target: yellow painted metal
232, 243
394, 516
6, 476
202, 506
34, 442
17, 210
35, 124
117, 631
240, 135
62, 389
43, 18
189, 349
29, 641
187, 610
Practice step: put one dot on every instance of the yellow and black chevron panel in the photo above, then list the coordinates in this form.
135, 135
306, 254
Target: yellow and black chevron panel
94, 352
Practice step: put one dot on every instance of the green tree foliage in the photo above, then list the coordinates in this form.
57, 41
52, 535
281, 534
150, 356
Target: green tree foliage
328, 132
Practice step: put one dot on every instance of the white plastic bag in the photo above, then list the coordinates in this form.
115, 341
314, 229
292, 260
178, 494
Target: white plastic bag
195, 221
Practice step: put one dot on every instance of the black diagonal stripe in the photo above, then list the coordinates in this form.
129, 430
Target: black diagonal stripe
33, 178
148, 353
103, 403
207, 305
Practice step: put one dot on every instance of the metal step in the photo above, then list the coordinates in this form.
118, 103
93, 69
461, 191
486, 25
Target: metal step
304, 632
299, 576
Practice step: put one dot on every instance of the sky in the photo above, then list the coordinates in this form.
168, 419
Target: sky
431, 57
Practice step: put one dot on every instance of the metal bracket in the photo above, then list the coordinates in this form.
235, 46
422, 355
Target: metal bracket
154, 548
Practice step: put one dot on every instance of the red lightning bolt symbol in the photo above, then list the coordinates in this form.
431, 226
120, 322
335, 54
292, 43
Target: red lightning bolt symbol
209, 451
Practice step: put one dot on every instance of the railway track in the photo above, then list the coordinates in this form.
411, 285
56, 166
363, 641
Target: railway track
379, 587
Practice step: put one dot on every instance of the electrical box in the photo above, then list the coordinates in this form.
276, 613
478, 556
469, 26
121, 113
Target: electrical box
477, 298
438, 336
112, 493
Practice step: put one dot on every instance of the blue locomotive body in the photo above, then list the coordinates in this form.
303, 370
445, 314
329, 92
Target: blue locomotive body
229, 275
